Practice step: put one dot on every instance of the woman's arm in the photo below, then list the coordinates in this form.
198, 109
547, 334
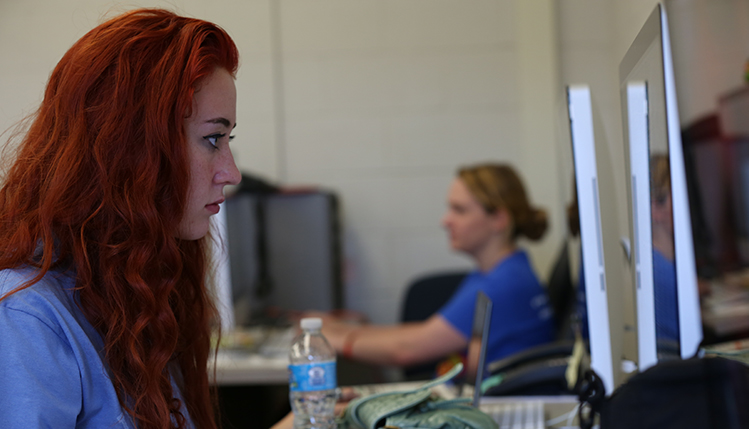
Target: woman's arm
401, 345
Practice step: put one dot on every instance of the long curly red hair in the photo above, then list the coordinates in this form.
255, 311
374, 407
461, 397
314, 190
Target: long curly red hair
100, 184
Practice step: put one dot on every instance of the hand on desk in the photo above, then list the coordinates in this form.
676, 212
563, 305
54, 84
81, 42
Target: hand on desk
335, 316
337, 324
347, 394
401, 344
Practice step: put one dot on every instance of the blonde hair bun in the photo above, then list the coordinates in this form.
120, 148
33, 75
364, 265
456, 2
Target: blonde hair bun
536, 225
498, 186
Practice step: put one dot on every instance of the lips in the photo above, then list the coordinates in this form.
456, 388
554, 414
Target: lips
214, 206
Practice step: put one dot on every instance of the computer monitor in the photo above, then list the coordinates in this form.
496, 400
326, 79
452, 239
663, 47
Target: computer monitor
636, 101
221, 279
669, 321
710, 52
275, 254
598, 239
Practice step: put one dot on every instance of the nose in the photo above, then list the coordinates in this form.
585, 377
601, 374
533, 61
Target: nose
227, 172
445, 222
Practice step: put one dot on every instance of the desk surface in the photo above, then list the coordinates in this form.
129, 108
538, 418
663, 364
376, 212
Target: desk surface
246, 368
269, 366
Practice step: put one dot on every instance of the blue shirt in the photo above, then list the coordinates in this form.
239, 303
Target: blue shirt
52, 370
521, 316
665, 297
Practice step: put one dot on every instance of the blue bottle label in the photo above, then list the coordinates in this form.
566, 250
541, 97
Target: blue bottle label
312, 376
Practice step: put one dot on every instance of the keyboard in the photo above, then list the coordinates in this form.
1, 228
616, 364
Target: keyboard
517, 415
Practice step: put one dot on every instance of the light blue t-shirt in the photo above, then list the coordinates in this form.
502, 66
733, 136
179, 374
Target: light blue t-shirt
52, 371
521, 315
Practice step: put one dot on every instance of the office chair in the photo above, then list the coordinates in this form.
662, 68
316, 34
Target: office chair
424, 296
561, 293
541, 370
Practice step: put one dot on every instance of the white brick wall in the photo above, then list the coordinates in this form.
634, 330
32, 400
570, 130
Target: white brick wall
377, 100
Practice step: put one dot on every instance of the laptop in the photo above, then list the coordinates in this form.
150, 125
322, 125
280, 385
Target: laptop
476, 357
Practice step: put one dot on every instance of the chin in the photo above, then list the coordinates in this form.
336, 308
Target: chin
193, 234
190, 237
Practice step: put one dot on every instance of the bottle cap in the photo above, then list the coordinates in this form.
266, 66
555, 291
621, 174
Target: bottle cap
311, 323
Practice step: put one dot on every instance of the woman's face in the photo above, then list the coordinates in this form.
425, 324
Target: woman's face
469, 226
212, 166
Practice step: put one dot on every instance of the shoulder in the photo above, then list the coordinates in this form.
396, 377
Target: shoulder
517, 265
54, 285
513, 276
11, 279
46, 299
53, 372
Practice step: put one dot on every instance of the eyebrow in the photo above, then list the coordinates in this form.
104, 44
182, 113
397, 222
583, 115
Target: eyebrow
223, 121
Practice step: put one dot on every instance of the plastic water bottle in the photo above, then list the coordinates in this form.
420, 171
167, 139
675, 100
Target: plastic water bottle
312, 378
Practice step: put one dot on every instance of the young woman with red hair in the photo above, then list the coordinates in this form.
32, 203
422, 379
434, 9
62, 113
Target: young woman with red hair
104, 214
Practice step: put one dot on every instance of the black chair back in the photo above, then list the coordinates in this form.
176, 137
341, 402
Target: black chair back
424, 296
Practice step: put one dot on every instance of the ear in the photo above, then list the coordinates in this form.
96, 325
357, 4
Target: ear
501, 220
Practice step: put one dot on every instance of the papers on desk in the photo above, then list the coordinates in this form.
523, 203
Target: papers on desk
257, 355
239, 339
243, 369
726, 309
736, 350
263, 340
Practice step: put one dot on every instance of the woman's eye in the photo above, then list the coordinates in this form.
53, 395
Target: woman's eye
213, 139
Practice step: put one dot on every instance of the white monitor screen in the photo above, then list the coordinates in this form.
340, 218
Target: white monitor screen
669, 321
593, 280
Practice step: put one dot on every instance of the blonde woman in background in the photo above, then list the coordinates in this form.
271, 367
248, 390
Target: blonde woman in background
488, 210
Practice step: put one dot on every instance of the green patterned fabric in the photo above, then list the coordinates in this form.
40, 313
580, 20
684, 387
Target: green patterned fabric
415, 409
